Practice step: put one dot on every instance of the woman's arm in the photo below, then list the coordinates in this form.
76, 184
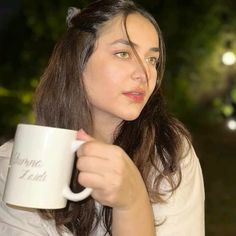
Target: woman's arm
137, 220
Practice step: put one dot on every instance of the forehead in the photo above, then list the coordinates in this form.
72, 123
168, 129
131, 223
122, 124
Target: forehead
138, 28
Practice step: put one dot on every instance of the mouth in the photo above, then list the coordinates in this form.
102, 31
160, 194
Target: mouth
135, 96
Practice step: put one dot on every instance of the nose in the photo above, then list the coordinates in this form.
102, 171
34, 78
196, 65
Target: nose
139, 72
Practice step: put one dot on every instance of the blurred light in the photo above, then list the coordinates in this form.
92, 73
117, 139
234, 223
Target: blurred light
227, 109
231, 124
228, 58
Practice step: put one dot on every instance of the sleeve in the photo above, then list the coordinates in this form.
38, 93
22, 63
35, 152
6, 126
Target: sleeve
16, 221
183, 212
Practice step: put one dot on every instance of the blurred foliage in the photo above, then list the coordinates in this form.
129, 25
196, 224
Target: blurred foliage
26, 42
195, 32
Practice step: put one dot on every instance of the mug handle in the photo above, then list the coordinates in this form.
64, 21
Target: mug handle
67, 193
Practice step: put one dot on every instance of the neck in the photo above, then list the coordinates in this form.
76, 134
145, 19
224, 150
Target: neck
104, 128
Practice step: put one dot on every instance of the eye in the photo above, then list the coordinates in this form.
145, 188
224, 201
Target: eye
152, 60
124, 55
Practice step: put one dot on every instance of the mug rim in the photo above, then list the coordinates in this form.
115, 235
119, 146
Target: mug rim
45, 126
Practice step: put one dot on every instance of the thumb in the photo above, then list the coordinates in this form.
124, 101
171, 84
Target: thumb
82, 135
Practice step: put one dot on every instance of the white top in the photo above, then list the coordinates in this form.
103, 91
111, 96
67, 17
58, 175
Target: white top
183, 213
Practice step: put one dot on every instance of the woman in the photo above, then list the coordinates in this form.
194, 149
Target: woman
104, 80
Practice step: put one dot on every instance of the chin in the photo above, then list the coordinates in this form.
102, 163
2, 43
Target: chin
131, 117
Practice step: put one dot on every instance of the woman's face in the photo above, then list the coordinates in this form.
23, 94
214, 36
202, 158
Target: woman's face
116, 83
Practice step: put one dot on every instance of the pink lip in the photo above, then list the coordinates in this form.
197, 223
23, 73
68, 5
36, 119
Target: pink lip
136, 96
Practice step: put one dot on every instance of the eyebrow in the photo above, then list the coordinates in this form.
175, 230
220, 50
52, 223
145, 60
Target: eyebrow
126, 42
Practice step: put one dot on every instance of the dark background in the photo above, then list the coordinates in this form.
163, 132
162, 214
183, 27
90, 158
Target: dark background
200, 89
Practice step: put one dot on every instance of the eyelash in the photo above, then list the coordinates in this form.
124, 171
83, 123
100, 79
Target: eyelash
152, 60
126, 55
121, 54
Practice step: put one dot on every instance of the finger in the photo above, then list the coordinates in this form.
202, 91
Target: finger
82, 135
94, 165
98, 149
91, 180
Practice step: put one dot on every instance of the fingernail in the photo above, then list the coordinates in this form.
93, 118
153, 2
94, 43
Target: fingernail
81, 132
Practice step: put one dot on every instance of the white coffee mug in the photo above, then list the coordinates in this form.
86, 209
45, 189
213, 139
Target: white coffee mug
41, 166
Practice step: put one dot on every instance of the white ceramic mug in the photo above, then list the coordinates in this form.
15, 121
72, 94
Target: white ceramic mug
41, 166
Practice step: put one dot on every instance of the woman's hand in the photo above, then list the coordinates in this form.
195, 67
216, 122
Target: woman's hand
108, 170
116, 182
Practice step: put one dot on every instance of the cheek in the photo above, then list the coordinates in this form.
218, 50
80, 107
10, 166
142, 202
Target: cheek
111, 76
102, 81
153, 82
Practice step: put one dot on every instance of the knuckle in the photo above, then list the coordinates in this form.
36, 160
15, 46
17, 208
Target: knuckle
85, 148
78, 164
119, 151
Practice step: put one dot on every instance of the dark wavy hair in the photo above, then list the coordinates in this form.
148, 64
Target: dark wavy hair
61, 101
